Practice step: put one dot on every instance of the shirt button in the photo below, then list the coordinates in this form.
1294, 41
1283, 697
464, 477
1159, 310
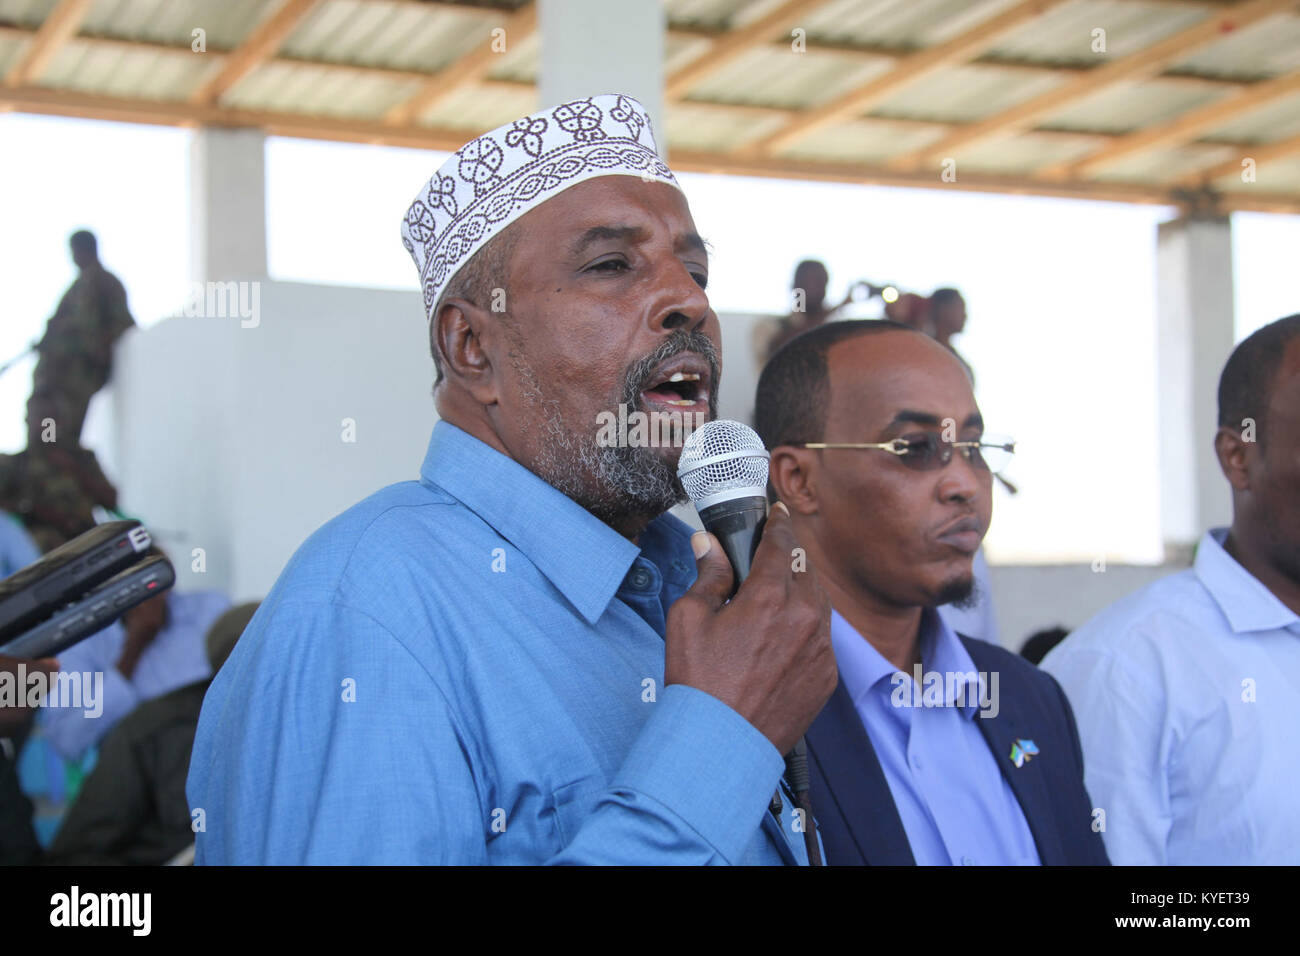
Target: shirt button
967, 861
916, 763
640, 579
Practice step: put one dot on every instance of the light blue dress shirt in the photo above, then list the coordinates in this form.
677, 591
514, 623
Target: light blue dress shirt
955, 804
469, 669
1187, 698
174, 658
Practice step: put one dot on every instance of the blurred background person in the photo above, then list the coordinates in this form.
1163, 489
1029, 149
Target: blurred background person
76, 351
54, 484
947, 319
18, 842
911, 310
1039, 644
132, 808
1187, 692
808, 309
156, 647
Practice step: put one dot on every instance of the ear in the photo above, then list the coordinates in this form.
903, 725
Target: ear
464, 335
1235, 457
791, 475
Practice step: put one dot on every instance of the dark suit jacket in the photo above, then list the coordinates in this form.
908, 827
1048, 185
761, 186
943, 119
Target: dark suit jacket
856, 813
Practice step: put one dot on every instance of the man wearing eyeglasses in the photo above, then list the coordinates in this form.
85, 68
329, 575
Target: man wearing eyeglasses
934, 748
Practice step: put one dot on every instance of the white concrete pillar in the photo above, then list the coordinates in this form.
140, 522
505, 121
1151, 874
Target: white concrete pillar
228, 204
595, 46
1195, 337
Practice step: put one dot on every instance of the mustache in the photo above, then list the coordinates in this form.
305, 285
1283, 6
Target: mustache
639, 373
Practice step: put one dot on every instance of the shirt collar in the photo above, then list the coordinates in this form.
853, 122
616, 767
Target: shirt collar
582, 556
1244, 600
862, 667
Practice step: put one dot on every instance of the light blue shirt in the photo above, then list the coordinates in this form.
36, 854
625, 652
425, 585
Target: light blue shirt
954, 802
175, 657
17, 549
1187, 698
469, 669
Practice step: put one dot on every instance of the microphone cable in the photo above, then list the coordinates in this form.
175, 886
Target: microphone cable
797, 776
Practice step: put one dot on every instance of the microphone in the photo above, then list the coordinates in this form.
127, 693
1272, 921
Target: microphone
723, 469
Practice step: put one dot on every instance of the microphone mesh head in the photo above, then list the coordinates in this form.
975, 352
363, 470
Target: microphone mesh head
722, 460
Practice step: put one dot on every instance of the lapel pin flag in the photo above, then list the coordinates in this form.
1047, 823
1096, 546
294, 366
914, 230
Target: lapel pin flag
1022, 750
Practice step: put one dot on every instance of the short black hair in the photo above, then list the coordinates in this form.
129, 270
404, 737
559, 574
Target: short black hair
1247, 379
83, 239
807, 264
1038, 644
486, 270
942, 296
794, 387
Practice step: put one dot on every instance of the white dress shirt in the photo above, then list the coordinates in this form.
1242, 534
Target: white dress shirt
1187, 698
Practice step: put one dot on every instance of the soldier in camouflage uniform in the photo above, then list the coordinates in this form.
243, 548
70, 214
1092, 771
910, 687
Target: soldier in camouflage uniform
54, 485
54, 490
76, 352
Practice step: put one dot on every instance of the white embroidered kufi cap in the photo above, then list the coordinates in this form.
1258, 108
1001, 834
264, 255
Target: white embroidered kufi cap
494, 179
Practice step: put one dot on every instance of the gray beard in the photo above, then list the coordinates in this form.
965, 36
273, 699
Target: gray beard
612, 482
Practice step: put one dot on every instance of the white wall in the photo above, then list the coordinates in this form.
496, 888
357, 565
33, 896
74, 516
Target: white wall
1034, 597
230, 438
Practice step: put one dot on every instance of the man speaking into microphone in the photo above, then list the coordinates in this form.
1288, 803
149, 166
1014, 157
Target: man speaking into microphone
517, 658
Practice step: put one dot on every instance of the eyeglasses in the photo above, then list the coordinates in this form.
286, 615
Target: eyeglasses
928, 451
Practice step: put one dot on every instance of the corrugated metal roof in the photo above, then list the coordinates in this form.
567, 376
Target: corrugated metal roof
708, 13
1128, 106
781, 78
899, 23
1266, 48
1263, 124
678, 51
285, 87
1281, 175
482, 106
11, 48
967, 93
1026, 152
870, 141
115, 71
26, 13
713, 128
1064, 35
521, 60
1166, 165
224, 22
405, 36
365, 59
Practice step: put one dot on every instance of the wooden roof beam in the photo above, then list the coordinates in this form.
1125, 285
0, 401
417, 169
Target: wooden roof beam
1181, 129
734, 43
56, 30
1261, 154
470, 68
1141, 64
34, 99
258, 47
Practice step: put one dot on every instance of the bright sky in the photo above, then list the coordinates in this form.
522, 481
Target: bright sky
1061, 293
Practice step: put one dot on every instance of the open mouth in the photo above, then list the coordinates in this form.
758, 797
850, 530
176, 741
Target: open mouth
681, 384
